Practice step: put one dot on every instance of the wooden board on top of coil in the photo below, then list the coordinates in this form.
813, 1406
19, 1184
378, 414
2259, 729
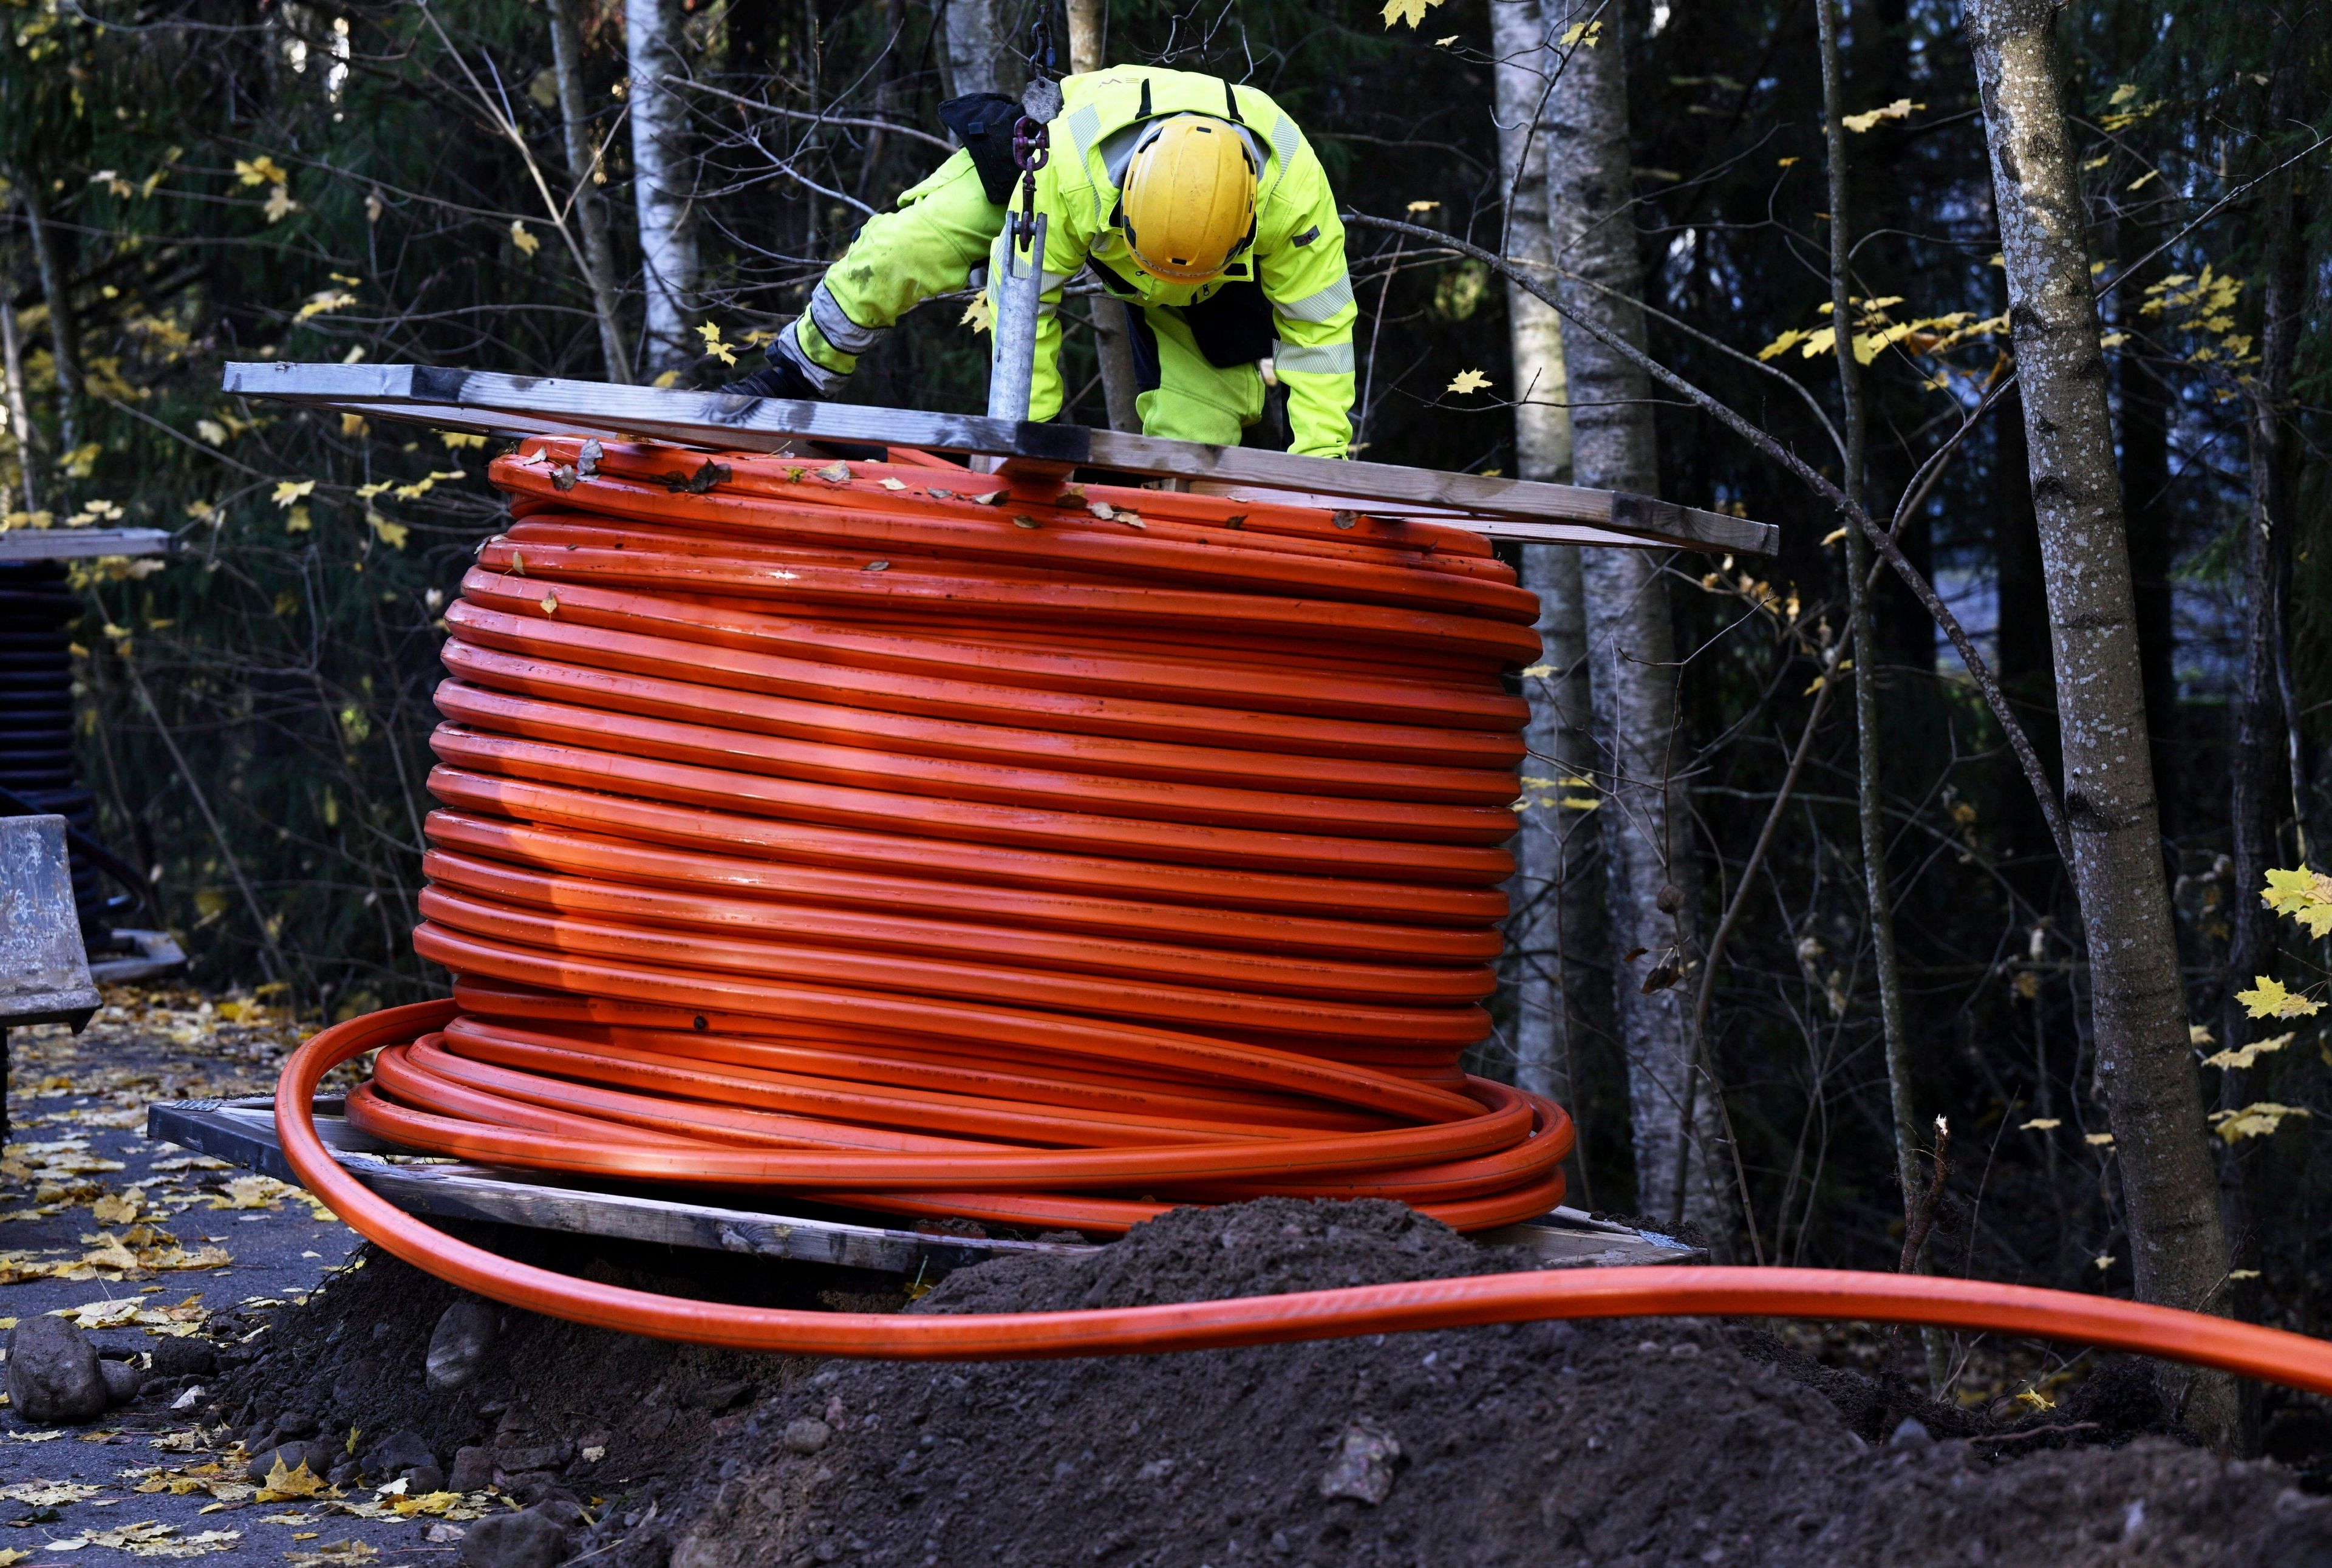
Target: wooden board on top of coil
243, 1133
485, 402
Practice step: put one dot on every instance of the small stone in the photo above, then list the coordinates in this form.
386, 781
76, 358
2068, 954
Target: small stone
465, 1334
718, 1395
183, 1358
806, 1436
534, 1457
395, 1453
523, 1540
298, 1424
1911, 1434
1363, 1466
317, 1457
122, 1380
345, 1473
52, 1372
442, 1535
473, 1470
420, 1480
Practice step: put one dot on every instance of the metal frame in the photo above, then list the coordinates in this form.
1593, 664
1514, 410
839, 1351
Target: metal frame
488, 403
23, 544
243, 1132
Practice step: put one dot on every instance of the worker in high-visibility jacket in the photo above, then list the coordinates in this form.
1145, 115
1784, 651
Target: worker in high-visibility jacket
1196, 202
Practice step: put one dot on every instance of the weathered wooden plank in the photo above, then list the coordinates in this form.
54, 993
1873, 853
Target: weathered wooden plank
485, 400
244, 1133
80, 543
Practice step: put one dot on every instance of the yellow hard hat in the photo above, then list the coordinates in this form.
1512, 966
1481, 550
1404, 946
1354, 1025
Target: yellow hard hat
1188, 202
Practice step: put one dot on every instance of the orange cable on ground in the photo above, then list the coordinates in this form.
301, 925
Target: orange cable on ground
911, 840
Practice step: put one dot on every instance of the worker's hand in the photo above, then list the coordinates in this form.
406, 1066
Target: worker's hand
783, 378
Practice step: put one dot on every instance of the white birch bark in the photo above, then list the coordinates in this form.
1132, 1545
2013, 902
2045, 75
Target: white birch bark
976, 54
1552, 927
591, 205
2154, 1102
662, 179
1631, 651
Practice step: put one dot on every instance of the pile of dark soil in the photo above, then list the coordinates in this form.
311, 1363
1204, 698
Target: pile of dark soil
1641, 1442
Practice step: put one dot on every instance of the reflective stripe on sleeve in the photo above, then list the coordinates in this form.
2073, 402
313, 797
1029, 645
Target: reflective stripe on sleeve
788, 342
1326, 359
1318, 307
834, 325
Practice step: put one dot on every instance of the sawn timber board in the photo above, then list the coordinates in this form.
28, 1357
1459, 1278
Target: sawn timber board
487, 402
243, 1133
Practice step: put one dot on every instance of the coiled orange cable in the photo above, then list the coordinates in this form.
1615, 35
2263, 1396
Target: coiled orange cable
900, 838
911, 841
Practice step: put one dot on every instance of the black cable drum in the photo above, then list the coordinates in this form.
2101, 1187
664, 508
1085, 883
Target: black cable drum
37, 611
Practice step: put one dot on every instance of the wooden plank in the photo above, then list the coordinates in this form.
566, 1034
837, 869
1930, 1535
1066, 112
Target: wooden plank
486, 401
243, 1132
80, 543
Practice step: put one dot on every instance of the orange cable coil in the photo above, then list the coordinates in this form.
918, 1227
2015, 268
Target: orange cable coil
919, 841
938, 844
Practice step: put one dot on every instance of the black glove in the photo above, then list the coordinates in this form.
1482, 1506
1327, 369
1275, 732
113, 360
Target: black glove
783, 378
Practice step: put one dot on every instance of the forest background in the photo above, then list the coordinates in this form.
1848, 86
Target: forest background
644, 191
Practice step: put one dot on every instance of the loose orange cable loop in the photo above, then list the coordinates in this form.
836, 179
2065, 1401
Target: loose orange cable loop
891, 837
1809, 1292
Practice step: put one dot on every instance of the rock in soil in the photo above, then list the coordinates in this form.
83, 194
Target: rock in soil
1644, 1442
523, 1540
54, 1372
122, 1380
465, 1333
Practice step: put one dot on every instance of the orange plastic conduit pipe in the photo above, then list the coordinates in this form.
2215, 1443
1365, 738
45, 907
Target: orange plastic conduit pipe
915, 840
1815, 1292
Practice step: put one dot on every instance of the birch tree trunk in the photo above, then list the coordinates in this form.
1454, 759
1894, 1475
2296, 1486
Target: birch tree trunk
975, 55
1088, 26
1632, 640
20, 409
661, 181
56, 288
2154, 1101
1552, 927
584, 173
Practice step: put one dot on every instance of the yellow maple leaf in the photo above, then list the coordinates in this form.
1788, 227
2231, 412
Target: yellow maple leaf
2267, 998
667, 379
283, 1485
1898, 110
280, 204
2243, 1057
2041, 1125
1793, 335
523, 237
1467, 381
714, 346
1410, 10
392, 534
259, 170
976, 314
2254, 1120
288, 491
1588, 33
2303, 895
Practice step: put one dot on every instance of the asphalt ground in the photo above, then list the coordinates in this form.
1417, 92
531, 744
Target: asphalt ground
150, 1242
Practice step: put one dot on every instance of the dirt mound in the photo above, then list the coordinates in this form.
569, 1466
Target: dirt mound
1642, 1442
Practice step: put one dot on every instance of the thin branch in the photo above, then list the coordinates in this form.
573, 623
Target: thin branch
1978, 670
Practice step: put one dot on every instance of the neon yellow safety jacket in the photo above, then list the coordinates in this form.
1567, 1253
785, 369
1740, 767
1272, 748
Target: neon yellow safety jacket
1286, 296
